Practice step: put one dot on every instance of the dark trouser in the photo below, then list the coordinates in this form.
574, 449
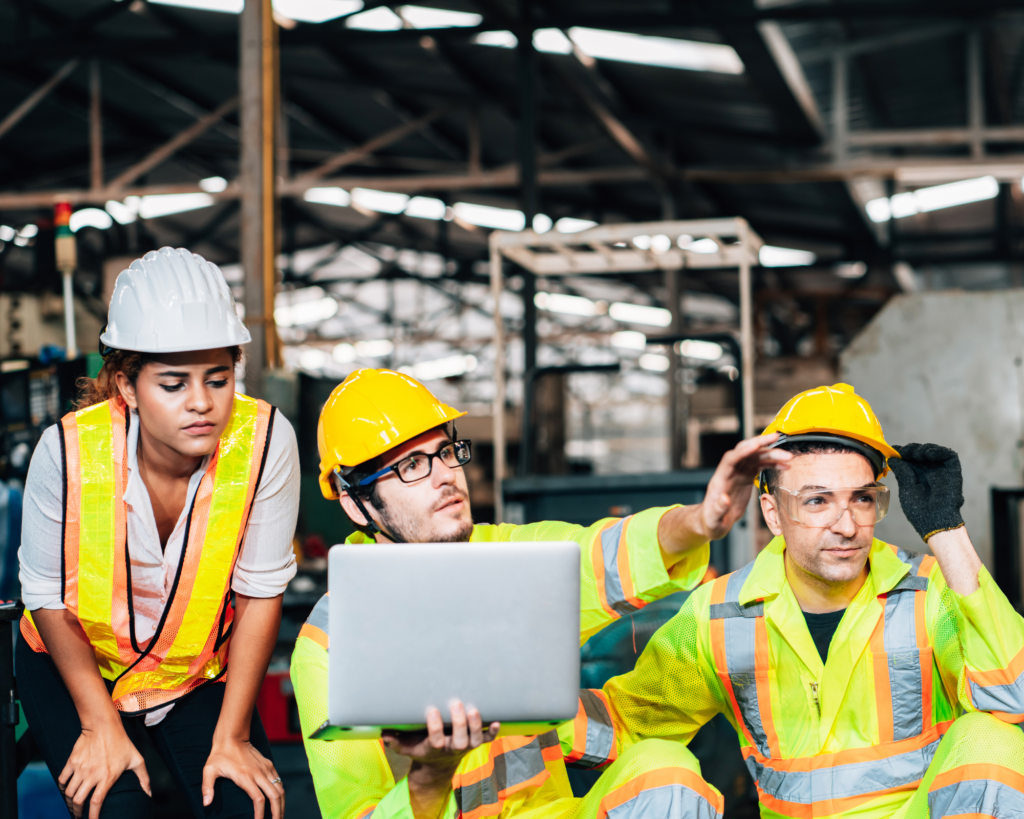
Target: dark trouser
183, 738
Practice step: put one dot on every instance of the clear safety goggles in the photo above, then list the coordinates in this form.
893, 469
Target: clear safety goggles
821, 508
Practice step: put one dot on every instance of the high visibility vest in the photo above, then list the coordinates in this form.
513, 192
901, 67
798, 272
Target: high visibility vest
829, 784
190, 645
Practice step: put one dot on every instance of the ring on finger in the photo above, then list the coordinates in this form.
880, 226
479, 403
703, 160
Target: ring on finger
275, 781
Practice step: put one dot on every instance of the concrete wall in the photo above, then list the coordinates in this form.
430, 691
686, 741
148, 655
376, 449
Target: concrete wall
946, 367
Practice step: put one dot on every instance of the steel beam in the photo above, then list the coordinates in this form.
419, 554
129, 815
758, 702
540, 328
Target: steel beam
36, 97
95, 128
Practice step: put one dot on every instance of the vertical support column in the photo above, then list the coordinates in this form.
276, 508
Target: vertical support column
840, 107
95, 127
677, 414
498, 419
528, 194
975, 94
258, 88
742, 546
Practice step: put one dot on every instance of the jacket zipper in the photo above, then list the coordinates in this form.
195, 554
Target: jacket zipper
814, 694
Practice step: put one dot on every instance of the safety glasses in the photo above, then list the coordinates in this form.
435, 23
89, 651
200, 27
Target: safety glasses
821, 508
420, 464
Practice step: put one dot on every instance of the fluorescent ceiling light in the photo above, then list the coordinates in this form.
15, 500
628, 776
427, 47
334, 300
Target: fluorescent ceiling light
30, 231
122, 214
213, 184
486, 216
661, 243
152, 207
703, 350
850, 270
448, 367
629, 340
345, 353
654, 362
379, 19
568, 224
7, 233
328, 196
229, 6
937, 197
572, 305
642, 242
306, 312
498, 39
640, 314
667, 52
424, 17
425, 207
785, 257
380, 201
703, 246
312, 358
89, 217
316, 11
542, 223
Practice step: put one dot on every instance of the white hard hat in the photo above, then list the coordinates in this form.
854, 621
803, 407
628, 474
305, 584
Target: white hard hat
171, 301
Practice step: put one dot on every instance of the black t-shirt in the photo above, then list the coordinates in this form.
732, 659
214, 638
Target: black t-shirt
822, 627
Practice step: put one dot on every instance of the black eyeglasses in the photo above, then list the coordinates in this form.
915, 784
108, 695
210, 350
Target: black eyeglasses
419, 465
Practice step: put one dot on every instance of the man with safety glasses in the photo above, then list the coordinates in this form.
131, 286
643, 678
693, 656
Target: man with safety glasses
863, 679
390, 453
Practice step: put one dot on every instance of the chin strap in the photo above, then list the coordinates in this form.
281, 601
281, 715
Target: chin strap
345, 486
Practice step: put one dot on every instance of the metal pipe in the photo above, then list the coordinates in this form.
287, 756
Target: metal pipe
95, 128
840, 107
975, 94
69, 315
498, 419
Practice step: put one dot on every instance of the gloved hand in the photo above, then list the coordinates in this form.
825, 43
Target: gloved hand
931, 487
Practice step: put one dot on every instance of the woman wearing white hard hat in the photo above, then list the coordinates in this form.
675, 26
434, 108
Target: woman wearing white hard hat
157, 540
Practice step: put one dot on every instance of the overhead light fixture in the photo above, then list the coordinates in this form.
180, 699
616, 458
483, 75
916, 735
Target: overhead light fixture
490, 217
328, 196
7, 233
122, 214
164, 204
213, 184
699, 349
306, 306
570, 305
379, 19
316, 11
661, 243
30, 231
937, 197
448, 367
89, 217
850, 270
424, 17
227, 6
770, 256
345, 353
640, 314
425, 207
655, 362
705, 245
629, 340
621, 46
380, 201
313, 358
567, 224
542, 223
643, 242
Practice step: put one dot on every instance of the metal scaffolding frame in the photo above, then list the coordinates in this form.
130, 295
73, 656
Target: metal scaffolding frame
610, 249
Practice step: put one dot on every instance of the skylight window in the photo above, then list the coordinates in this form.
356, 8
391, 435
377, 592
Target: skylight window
667, 52
424, 17
490, 217
785, 257
924, 200
379, 19
448, 367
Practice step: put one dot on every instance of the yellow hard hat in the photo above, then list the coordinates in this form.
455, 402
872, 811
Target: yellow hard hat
837, 411
369, 413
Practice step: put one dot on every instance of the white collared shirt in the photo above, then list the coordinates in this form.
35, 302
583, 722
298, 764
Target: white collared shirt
266, 561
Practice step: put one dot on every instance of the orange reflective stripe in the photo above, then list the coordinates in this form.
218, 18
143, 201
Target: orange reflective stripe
513, 765
1000, 676
625, 575
880, 664
597, 561
317, 635
826, 807
762, 670
968, 773
658, 779
367, 812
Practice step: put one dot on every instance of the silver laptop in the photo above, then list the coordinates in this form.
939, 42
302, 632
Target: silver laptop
415, 625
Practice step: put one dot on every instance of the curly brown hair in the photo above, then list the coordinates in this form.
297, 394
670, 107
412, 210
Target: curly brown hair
103, 387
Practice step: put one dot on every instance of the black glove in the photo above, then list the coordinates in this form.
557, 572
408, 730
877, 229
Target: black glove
931, 487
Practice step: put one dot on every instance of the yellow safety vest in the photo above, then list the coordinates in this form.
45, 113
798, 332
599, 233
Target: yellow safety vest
190, 645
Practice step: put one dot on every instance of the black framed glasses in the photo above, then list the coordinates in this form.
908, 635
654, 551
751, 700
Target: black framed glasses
420, 464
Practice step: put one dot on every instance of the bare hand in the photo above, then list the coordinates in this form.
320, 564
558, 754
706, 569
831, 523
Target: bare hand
436, 750
97, 761
240, 762
729, 489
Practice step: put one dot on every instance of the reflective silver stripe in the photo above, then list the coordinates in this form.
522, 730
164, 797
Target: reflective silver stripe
319, 616
902, 653
842, 781
740, 639
510, 769
600, 731
1008, 697
665, 802
984, 796
610, 538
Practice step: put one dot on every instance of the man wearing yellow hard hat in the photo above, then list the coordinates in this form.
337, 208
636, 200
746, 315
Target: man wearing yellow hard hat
389, 451
863, 679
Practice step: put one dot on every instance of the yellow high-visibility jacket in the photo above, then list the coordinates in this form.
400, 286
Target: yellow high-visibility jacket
621, 570
852, 736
